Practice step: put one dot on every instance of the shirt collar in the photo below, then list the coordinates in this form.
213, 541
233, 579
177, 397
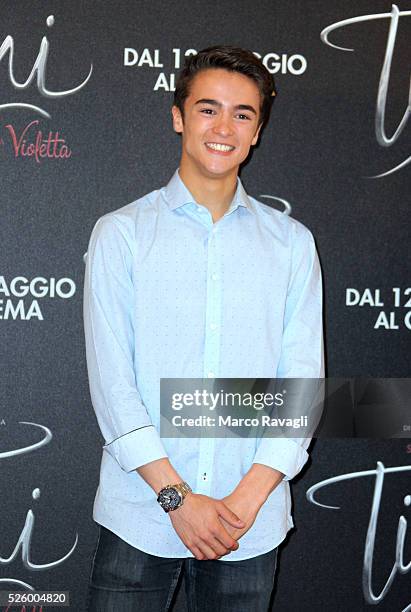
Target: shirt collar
177, 194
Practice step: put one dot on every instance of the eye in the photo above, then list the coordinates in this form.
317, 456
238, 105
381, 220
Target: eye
207, 111
243, 117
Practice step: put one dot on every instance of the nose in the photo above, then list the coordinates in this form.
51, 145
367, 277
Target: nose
223, 124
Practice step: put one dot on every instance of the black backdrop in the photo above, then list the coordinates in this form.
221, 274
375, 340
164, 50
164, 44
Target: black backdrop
111, 141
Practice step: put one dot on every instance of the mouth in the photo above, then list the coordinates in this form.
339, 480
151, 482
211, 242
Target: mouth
218, 147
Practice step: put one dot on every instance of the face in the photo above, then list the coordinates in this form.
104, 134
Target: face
221, 122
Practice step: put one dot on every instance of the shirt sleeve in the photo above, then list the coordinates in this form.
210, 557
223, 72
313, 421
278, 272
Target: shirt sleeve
302, 353
131, 439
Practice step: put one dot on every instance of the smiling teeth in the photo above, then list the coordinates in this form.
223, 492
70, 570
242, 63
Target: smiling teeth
219, 147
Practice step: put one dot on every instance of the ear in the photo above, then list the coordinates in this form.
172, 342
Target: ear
178, 123
256, 135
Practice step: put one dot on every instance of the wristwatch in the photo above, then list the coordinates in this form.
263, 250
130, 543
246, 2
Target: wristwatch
171, 496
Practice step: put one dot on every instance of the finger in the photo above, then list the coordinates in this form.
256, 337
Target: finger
207, 551
229, 516
218, 547
227, 539
197, 553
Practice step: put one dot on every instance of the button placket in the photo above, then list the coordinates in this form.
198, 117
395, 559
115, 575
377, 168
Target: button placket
211, 351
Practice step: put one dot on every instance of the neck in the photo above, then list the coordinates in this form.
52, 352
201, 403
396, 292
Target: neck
215, 193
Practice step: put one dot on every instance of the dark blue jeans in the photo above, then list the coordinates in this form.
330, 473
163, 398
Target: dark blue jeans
125, 579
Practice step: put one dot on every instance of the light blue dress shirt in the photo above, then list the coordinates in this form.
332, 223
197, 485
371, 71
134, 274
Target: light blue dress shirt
168, 293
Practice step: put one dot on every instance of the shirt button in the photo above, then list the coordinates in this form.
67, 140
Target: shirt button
214, 276
211, 375
213, 326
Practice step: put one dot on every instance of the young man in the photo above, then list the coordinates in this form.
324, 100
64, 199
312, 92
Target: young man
194, 280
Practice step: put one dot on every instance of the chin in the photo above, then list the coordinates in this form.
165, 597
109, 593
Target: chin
220, 169
220, 172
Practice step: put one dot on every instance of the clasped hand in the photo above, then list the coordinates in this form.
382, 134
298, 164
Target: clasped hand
211, 527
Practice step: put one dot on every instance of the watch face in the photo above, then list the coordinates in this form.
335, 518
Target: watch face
169, 499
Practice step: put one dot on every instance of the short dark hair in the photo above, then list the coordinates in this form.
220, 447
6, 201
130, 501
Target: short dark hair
234, 59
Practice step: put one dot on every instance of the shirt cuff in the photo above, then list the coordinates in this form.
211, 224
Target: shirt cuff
281, 454
136, 448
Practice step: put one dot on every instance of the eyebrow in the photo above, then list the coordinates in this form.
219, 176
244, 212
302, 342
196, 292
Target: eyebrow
237, 107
